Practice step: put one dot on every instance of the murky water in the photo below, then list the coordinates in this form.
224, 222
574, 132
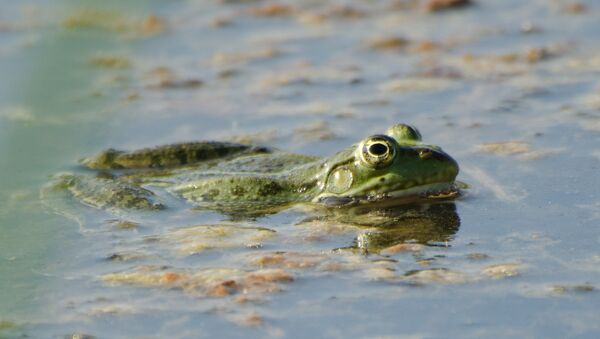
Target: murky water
509, 89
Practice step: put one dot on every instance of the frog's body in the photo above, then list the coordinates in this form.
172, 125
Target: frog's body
386, 169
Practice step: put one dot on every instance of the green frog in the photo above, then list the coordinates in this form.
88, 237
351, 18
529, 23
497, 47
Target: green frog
382, 170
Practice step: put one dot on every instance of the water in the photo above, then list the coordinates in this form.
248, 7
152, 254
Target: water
496, 72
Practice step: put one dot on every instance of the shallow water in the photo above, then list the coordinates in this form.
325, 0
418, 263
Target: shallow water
310, 79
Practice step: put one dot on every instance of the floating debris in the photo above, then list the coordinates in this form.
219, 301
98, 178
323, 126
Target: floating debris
505, 147
316, 230
110, 61
245, 57
500, 271
532, 55
436, 275
405, 247
396, 43
113, 21
200, 238
124, 224
477, 256
221, 22
127, 256
571, 289
417, 84
575, 8
380, 273
273, 10
97, 19
211, 282
178, 84
163, 77
152, 25
290, 260
388, 43
253, 319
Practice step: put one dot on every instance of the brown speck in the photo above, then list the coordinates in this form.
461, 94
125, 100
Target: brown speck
252, 319
272, 10
152, 25
220, 22
223, 288
133, 96
228, 73
160, 73
170, 277
536, 54
347, 12
389, 43
509, 57
179, 84
564, 289
440, 72
440, 5
108, 61
218, 291
426, 47
575, 8
125, 256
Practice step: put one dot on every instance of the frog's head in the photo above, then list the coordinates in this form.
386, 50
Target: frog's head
395, 167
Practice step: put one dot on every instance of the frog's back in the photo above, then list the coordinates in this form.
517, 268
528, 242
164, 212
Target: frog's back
174, 155
275, 162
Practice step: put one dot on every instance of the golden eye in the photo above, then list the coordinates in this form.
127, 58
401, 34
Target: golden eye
377, 151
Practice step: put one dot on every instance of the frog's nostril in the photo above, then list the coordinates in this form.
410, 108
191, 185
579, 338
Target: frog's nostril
425, 153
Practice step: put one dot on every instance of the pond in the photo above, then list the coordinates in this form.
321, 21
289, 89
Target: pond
510, 89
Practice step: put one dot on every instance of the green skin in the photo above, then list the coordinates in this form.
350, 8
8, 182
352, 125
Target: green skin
383, 170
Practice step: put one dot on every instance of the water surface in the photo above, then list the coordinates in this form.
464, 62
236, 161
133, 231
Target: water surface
509, 89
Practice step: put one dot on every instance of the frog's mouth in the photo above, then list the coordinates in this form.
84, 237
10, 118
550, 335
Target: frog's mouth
421, 193
435, 191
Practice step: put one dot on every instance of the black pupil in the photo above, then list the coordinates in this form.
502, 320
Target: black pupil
378, 149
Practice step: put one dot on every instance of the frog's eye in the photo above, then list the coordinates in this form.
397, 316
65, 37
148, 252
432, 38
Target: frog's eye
377, 151
403, 132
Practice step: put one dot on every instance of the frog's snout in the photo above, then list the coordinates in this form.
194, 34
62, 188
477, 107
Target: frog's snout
439, 161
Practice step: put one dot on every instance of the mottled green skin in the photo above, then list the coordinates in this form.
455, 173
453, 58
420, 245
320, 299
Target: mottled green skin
108, 193
388, 169
169, 155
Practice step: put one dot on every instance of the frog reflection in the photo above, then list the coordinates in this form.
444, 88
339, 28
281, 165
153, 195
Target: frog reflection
430, 224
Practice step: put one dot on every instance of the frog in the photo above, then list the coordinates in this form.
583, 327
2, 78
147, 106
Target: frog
389, 169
